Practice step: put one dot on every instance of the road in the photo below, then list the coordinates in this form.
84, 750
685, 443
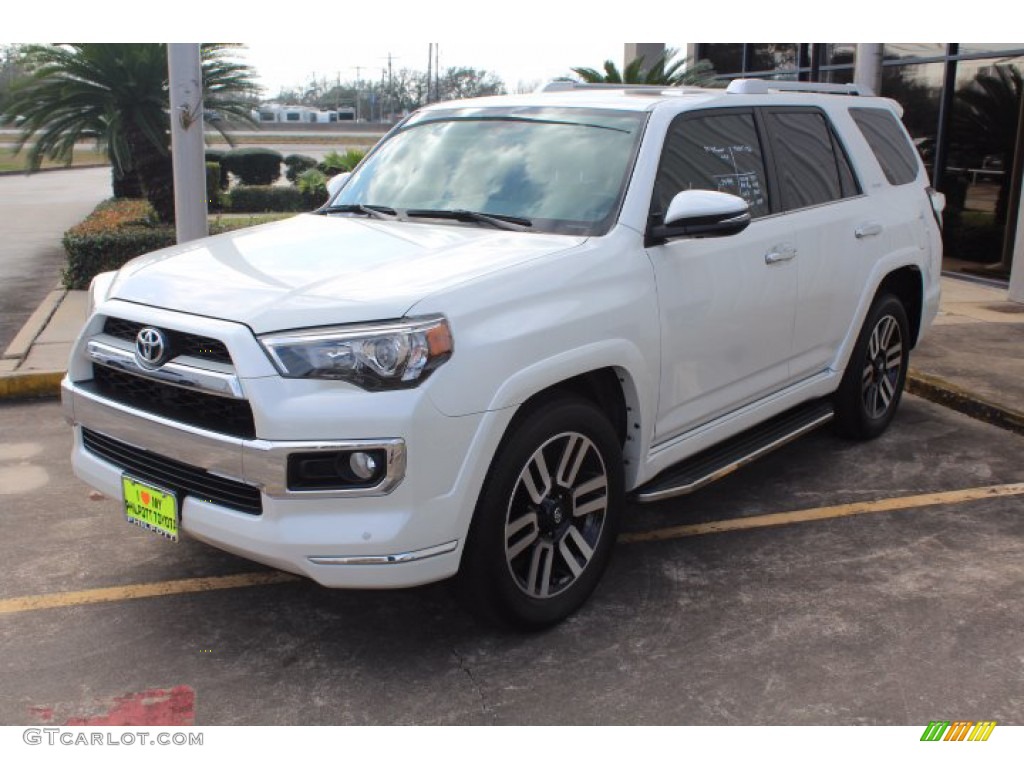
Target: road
35, 211
897, 600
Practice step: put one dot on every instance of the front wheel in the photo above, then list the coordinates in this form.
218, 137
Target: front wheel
547, 517
870, 391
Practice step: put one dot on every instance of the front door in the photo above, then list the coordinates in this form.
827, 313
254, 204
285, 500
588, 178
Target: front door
727, 305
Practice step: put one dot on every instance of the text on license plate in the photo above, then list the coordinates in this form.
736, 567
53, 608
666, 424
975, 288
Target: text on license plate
152, 508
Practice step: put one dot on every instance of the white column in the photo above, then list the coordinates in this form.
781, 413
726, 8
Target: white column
868, 66
649, 52
186, 83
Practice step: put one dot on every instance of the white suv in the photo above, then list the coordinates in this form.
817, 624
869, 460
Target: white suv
517, 313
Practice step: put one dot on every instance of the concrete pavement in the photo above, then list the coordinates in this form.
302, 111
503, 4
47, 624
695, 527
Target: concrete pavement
35, 211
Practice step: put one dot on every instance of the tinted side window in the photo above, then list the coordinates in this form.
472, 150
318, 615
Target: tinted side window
804, 158
719, 152
889, 142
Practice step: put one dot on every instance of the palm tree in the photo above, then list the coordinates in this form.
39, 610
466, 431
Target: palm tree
117, 94
664, 71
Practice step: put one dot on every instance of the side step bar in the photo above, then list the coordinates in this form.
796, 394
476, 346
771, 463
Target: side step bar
721, 460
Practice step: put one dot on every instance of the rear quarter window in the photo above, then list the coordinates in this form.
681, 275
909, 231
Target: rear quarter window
889, 143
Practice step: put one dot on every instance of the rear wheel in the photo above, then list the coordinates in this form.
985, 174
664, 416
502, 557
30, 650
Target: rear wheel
871, 388
547, 518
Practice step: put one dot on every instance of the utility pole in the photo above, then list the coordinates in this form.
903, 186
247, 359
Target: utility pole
359, 91
391, 88
185, 69
430, 63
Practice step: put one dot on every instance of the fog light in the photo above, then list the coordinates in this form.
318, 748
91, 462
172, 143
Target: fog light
337, 470
363, 465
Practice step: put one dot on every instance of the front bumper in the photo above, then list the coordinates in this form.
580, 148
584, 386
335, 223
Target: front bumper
409, 530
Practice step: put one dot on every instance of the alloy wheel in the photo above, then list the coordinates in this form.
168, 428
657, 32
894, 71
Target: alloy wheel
556, 515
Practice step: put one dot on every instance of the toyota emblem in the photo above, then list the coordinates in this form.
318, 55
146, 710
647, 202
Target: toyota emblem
150, 348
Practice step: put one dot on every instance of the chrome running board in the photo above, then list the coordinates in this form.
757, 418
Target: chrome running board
725, 458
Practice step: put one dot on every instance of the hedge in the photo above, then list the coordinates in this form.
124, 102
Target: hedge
253, 165
296, 165
217, 156
213, 196
248, 199
114, 233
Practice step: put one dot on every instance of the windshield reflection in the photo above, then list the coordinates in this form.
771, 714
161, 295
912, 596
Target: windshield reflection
564, 169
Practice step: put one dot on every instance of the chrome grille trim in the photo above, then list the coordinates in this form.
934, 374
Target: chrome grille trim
175, 374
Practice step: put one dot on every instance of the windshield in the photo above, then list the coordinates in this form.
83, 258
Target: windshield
561, 170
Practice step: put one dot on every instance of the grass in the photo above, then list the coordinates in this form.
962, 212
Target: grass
16, 162
224, 222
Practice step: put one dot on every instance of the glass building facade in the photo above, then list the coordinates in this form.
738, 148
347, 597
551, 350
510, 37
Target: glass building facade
962, 106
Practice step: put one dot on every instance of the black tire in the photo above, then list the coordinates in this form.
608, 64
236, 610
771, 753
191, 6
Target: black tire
547, 517
872, 385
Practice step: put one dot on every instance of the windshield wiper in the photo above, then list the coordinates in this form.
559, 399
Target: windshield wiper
377, 211
499, 220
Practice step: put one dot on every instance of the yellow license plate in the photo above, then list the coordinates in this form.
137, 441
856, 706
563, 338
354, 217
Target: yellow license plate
152, 508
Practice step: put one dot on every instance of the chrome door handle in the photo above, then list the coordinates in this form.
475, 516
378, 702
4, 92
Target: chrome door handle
784, 252
868, 229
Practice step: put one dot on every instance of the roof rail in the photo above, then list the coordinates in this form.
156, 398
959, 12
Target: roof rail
573, 85
758, 86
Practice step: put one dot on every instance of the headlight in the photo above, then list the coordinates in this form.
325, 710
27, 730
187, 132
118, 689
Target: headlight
395, 355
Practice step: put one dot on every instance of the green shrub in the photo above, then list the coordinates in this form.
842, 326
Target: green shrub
260, 199
213, 195
217, 156
114, 233
313, 184
297, 165
337, 162
253, 166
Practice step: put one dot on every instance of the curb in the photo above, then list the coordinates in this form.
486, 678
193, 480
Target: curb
17, 386
22, 342
940, 391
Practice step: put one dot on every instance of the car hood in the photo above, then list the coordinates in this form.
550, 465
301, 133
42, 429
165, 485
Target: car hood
315, 270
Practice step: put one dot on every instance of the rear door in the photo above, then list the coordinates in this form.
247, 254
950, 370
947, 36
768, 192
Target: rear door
839, 232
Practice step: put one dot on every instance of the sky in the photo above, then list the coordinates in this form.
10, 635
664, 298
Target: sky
522, 41
285, 65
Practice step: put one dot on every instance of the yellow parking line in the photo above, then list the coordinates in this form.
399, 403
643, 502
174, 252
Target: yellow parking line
135, 591
184, 586
824, 513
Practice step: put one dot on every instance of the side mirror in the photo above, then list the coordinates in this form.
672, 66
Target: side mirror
336, 182
701, 213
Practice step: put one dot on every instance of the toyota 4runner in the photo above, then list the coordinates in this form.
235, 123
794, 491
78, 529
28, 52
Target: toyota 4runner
516, 314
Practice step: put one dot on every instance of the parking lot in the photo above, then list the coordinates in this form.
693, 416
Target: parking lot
894, 595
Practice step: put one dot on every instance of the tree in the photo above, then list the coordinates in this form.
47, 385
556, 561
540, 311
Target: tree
664, 71
12, 67
117, 94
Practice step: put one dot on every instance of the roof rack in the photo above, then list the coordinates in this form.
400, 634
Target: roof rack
758, 86
573, 85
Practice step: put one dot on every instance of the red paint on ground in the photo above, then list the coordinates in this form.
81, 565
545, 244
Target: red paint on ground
155, 706
42, 713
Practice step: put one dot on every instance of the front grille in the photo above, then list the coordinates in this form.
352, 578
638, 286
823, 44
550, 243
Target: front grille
217, 414
180, 343
183, 479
